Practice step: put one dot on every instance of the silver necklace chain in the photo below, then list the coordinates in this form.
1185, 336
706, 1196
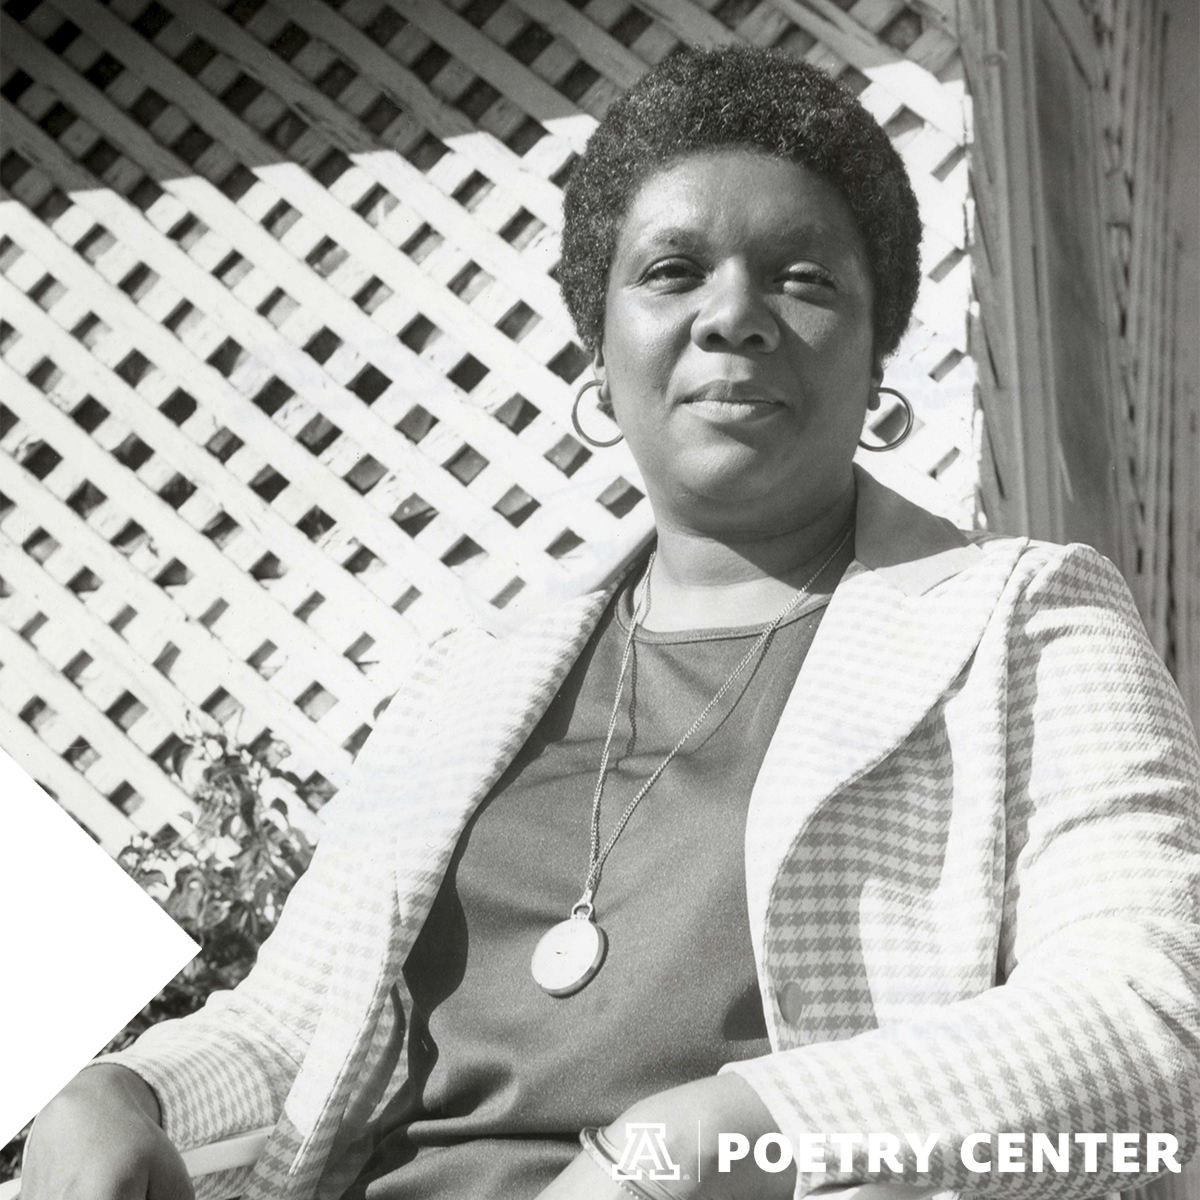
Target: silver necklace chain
597, 856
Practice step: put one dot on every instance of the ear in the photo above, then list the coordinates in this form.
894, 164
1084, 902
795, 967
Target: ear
876, 381
603, 399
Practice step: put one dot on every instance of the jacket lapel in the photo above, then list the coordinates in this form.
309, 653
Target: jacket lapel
491, 702
493, 694
901, 625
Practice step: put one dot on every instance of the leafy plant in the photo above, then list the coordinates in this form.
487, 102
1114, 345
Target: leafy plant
224, 880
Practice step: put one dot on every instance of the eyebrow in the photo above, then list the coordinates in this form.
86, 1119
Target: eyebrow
797, 235
676, 237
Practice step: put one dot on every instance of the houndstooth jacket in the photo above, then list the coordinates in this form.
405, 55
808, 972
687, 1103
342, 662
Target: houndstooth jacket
972, 865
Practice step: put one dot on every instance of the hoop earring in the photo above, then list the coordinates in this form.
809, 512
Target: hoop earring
910, 416
591, 441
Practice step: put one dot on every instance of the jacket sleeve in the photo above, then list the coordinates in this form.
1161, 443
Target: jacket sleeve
1095, 1023
228, 1067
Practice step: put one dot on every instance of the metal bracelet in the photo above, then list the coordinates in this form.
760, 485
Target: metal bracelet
591, 1147
601, 1151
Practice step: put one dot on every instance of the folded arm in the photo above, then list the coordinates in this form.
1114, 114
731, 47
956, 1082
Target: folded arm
1096, 1024
229, 1067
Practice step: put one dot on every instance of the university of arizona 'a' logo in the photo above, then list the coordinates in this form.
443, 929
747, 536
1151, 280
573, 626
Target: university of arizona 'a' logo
645, 1143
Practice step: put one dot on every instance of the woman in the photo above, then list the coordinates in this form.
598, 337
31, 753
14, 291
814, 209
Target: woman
942, 880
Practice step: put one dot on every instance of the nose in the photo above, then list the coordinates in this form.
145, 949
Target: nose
733, 315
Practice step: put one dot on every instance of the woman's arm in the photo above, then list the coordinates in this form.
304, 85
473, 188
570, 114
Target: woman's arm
102, 1139
693, 1115
1096, 1027
228, 1067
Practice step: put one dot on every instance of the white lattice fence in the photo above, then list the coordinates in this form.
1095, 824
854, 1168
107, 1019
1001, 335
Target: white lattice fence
286, 376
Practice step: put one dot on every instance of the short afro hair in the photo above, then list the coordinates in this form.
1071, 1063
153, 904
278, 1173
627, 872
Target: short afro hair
762, 100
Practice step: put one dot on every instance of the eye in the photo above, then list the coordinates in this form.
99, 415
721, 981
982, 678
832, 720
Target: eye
666, 272
805, 275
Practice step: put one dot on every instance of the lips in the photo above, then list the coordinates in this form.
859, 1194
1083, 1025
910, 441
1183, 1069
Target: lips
733, 391
730, 400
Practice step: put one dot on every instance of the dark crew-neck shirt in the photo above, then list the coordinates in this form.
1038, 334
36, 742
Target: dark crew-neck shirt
502, 1076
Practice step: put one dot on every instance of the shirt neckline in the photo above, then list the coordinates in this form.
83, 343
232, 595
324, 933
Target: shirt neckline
623, 615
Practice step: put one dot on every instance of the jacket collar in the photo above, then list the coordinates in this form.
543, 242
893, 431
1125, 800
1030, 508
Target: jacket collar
902, 624
905, 545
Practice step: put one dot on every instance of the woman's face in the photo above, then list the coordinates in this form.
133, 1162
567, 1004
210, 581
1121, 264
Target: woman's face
738, 342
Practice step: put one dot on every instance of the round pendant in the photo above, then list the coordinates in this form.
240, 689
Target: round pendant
568, 956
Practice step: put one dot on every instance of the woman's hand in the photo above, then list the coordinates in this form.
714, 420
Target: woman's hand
692, 1115
100, 1139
